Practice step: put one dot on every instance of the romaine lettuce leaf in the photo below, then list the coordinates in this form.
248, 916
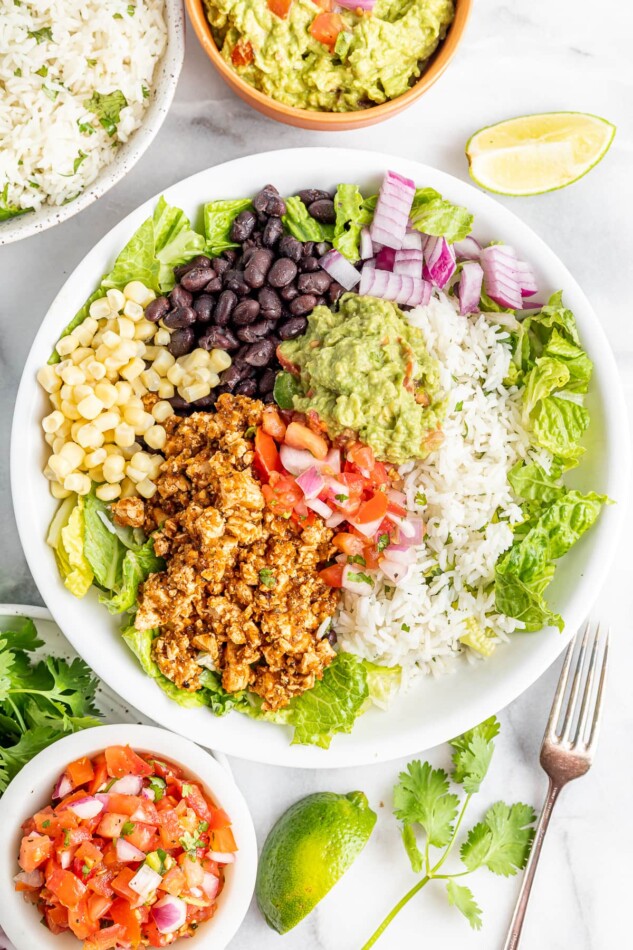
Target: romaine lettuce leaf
433, 214
553, 316
332, 705
298, 222
351, 218
140, 643
382, 681
136, 568
218, 218
67, 540
524, 602
578, 364
102, 547
546, 376
532, 483
558, 426
175, 242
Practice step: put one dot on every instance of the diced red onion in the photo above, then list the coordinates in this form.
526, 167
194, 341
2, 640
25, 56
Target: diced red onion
366, 246
526, 279
145, 881
367, 5
88, 807
395, 573
408, 262
63, 787
470, 284
295, 461
419, 529
501, 280
148, 793
335, 520
391, 217
104, 798
311, 482
128, 852
332, 461
439, 261
397, 497
127, 785
385, 258
467, 250
33, 879
169, 913
222, 857
210, 885
65, 859
407, 291
369, 528
412, 240
319, 507
405, 557
355, 587
340, 269
407, 529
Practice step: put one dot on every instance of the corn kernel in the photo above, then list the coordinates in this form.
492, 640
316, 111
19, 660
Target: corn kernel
128, 488
139, 293
75, 429
128, 451
145, 422
78, 483
162, 337
58, 491
48, 379
90, 406
66, 345
52, 422
89, 437
116, 299
135, 474
107, 421
146, 488
133, 311
49, 438
55, 399
99, 308
145, 330
73, 453
162, 410
126, 350
133, 369
111, 339
163, 361
195, 391
123, 393
70, 410
73, 376
150, 379
113, 468
202, 374
107, 492
141, 461
133, 414
95, 474
80, 354
138, 387
198, 357
219, 360
86, 331
60, 466
125, 328
96, 370
175, 374
124, 435
157, 462
106, 393
155, 437
66, 392
93, 459
166, 390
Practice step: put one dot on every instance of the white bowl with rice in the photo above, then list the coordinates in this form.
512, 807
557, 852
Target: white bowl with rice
84, 89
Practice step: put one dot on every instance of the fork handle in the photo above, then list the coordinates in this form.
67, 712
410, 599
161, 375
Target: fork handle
516, 925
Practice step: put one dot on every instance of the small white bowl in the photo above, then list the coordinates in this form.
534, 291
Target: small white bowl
31, 789
164, 86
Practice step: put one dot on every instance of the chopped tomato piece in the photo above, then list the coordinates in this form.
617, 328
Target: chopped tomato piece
34, 850
218, 819
111, 824
222, 840
173, 882
373, 509
166, 770
121, 886
348, 543
106, 939
242, 55
362, 456
272, 423
122, 914
80, 771
266, 455
121, 760
89, 854
332, 576
155, 937
46, 822
280, 8
142, 836
100, 774
299, 436
194, 872
101, 883
67, 888
326, 27
56, 919
80, 922
98, 906
196, 800
282, 494
170, 831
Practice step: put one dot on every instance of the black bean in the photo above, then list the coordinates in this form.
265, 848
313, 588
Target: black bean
269, 201
335, 291
181, 342
315, 283
323, 210
220, 265
290, 247
179, 403
331, 637
273, 230
308, 195
260, 354
215, 284
282, 273
207, 402
236, 372
194, 280
289, 292
246, 312
268, 398
321, 302
179, 297
234, 280
203, 306
257, 267
253, 332
293, 327
302, 305
309, 265
180, 317
270, 304
200, 261
243, 226
266, 381
230, 255
220, 338
226, 304
248, 387
322, 248
307, 248
157, 309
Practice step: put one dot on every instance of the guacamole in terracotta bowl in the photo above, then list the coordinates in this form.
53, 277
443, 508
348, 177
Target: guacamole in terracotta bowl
329, 57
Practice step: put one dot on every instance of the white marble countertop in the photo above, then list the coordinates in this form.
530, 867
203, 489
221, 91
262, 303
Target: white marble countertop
517, 57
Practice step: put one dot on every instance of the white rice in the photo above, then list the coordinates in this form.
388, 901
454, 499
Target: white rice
95, 46
464, 485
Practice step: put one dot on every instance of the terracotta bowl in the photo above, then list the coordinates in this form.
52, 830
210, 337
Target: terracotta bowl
331, 121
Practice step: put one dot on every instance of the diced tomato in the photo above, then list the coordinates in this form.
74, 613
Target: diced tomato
80, 771
326, 27
299, 436
142, 836
73, 837
46, 822
155, 937
80, 922
166, 770
348, 543
196, 800
371, 556
332, 576
282, 494
121, 886
101, 883
373, 509
272, 423
67, 888
280, 8
121, 760
324, 4
89, 854
122, 914
110, 857
198, 914
100, 774
98, 906
173, 882
222, 840
56, 919
266, 455
218, 819
169, 830
34, 850
242, 55
111, 824
395, 509
106, 939
362, 456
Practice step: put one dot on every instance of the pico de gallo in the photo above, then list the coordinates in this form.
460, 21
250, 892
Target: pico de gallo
304, 475
130, 852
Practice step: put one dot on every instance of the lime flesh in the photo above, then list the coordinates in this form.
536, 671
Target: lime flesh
533, 154
308, 850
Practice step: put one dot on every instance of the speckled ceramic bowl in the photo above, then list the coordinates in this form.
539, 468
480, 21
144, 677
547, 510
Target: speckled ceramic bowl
167, 73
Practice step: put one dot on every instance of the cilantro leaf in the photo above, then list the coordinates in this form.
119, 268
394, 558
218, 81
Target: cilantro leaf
14, 757
107, 108
502, 841
411, 847
422, 796
462, 898
473, 752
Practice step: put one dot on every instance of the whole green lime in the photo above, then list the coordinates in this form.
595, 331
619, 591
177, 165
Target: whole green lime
308, 850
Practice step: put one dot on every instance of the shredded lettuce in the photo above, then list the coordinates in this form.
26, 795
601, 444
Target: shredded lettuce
351, 218
218, 218
433, 214
298, 222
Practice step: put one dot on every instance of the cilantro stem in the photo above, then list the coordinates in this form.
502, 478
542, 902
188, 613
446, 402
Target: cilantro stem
394, 911
18, 714
447, 850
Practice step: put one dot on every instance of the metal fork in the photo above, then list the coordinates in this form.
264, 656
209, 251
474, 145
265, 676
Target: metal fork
567, 753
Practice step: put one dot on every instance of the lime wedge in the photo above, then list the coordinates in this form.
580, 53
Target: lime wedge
533, 154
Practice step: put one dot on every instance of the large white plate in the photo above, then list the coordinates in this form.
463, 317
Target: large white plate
434, 710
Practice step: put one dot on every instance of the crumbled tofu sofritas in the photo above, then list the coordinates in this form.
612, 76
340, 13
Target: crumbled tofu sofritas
241, 585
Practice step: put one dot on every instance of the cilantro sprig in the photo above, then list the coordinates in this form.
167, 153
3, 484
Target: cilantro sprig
432, 814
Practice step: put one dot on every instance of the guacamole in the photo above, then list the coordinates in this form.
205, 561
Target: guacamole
374, 57
365, 368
